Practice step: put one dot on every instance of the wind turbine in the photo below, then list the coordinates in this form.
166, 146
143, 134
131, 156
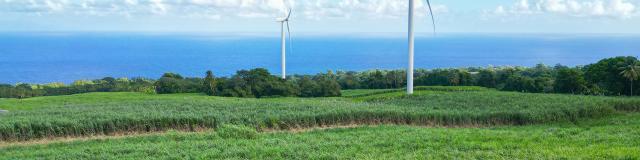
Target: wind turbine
284, 42
412, 43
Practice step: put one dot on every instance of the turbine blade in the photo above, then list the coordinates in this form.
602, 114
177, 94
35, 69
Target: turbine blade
288, 15
290, 41
433, 20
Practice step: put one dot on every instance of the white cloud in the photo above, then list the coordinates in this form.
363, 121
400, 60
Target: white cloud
373, 9
500, 10
576, 8
131, 2
158, 7
555, 6
218, 9
55, 5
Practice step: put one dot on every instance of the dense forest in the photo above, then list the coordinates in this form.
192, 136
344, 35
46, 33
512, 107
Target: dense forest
611, 76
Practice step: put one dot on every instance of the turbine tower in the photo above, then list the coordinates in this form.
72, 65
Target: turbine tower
284, 42
412, 42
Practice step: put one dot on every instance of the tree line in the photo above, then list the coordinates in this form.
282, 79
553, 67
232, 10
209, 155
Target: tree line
255, 83
107, 84
610, 76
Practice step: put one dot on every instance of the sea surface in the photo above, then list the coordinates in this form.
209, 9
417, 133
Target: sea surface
65, 57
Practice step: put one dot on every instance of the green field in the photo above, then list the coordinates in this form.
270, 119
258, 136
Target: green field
116, 113
616, 137
436, 122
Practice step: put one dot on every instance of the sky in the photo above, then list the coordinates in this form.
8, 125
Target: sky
320, 16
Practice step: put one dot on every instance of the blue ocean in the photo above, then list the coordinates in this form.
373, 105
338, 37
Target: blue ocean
65, 57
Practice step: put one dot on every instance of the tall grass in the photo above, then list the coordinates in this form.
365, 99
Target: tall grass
112, 113
615, 137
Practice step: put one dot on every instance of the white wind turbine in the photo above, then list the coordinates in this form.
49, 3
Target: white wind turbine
284, 42
411, 43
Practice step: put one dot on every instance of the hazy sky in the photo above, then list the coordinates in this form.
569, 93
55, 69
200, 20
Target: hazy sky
320, 16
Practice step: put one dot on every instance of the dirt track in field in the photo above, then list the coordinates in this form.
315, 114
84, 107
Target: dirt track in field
122, 135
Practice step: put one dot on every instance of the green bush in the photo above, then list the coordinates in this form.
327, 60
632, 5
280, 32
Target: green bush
174, 83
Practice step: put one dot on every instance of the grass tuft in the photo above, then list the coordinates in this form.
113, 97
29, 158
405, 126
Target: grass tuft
237, 132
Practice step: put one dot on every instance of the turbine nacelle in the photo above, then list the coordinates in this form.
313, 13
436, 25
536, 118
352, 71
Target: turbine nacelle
285, 19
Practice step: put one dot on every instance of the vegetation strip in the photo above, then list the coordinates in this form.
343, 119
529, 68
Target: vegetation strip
109, 113
203, 130
74, 139
611, 137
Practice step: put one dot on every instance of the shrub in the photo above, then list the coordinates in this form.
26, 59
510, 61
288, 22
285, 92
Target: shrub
175, 83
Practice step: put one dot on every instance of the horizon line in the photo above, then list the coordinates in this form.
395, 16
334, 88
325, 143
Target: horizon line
430, 34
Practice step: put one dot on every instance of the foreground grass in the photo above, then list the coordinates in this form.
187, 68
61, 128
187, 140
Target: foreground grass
614, 137
117, 113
